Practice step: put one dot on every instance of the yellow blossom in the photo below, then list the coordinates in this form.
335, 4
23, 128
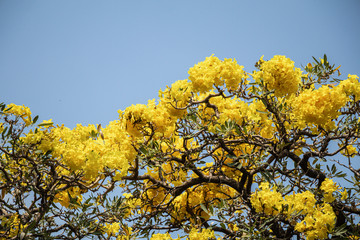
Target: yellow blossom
64, 197
12, 224
318, 224
344, 195
213, 71
279, 74
351, 86
349, 151
20, 111
328, 186
318, 107
112, 228
268, 200
318, 219
204, 234
161, 236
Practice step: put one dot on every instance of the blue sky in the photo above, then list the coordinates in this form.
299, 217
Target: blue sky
80, 61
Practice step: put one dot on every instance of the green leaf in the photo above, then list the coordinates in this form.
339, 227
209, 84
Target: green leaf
211, 208
97, 232
237, 129
204, 208
38, 151
267, 176
5, 133
32, 225
221, 203
316, 60
143, 150
261, 111
46, 124
231, 156
245, 130
333, 169
341, 175
264, 102
2, 106
325, 58
239, 166
222, 225
35, 119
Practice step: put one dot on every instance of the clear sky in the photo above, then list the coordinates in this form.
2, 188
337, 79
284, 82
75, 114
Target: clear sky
80, 61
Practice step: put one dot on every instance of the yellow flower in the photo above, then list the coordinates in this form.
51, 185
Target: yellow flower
21, 111
161, 236
112, 229
279, 74
344, 195
205, 74
349, 151
127, 195
64, 197
232, 74
12, 224
213, 71
176, 96
318, 107
328, 186
301, 202
204, 234
318, 224
268, 200
354, 237
318, 219
351, 86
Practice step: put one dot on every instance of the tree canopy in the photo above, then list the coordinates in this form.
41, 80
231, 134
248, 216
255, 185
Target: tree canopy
224, 154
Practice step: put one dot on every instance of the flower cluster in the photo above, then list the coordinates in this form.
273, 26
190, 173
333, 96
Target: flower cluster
316, 219
112, 229
20, 111
268, 200
82, 149
13, 224
329, 187
65, 198
204, 234
280, 75
191, 158
195, 234
349, 151
176, 97
319, 223
141, 119
351, 86
194, 197
318, 107
214, 72
161, 236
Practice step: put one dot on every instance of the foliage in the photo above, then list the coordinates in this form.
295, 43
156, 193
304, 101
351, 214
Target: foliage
224, 155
